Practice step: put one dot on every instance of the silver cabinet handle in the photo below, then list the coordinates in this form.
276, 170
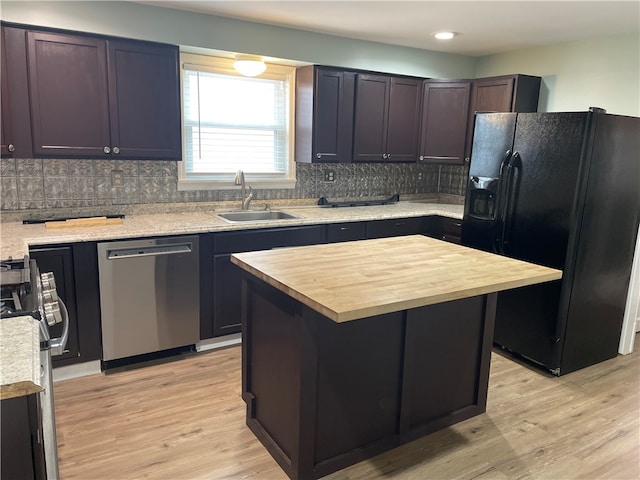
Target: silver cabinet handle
11, 147
388, 155
58, 344
318, 155
106, 150
116, 150
384, 155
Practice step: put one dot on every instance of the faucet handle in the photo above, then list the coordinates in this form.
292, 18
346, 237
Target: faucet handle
246, 201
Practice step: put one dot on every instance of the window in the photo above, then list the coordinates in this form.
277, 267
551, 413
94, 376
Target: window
232, 122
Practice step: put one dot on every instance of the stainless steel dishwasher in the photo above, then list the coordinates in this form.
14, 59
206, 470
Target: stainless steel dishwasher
149, 295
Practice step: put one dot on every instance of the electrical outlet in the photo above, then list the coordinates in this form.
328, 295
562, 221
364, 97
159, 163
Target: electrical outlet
329, 175
419, 175
117, 178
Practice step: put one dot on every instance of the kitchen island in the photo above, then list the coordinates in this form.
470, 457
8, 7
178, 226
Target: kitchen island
351, 349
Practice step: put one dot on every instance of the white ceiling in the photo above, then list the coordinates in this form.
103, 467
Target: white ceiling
483, 27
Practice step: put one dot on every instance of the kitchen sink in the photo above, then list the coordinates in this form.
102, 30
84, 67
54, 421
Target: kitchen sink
255, 216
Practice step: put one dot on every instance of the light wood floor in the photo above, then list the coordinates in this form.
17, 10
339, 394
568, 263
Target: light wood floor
185, 420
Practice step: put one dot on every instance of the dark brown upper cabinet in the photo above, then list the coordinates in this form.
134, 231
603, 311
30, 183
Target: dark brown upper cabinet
16, 121
508, 93
103, 98
324, 114
6, 141
144, 106
445, 116
69, 95
387, 118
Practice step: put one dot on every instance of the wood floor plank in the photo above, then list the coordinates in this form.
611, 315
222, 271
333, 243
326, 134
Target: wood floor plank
185, 419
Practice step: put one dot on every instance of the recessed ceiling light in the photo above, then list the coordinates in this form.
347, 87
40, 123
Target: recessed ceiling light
444, 35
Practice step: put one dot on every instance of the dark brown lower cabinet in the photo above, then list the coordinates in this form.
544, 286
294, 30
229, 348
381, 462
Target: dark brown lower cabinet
75, 268
322, 395
220, 311
393, 227
22, 452
450, 229
226, 281
345, 232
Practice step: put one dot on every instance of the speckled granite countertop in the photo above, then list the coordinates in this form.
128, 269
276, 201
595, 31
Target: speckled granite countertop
16, 238
19, 357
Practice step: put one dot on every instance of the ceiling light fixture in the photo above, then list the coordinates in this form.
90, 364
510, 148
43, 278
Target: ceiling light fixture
444, 35
249, 65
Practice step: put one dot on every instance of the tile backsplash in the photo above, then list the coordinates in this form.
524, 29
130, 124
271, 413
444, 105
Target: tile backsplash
28, 184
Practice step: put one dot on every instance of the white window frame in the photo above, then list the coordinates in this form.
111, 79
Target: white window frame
225, 181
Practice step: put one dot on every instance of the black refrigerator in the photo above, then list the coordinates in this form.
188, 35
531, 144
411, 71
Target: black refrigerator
560, 190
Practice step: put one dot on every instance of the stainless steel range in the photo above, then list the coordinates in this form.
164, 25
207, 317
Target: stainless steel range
24, 291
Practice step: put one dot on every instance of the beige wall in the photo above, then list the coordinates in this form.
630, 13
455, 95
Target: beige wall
144, 22
596, 72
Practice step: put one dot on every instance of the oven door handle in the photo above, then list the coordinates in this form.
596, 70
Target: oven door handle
58, 344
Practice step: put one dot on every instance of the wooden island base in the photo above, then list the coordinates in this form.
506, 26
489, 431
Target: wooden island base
323, 395
351, 349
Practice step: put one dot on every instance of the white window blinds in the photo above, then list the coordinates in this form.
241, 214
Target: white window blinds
235, 123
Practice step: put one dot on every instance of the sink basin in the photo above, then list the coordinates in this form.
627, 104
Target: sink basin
255, 216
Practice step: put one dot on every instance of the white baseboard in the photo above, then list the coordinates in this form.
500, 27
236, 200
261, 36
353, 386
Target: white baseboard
219, 342
77, 370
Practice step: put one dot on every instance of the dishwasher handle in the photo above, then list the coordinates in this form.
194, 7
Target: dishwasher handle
153, 250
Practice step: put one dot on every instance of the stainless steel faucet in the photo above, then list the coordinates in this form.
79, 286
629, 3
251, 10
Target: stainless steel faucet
246, 200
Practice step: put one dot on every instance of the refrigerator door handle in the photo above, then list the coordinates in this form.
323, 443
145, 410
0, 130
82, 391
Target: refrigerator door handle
511, 191
501, 202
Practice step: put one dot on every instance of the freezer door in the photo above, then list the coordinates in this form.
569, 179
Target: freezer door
492, 137
492, 143
479, 227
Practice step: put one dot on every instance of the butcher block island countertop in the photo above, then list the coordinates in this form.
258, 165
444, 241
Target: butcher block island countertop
350, 349
352, 280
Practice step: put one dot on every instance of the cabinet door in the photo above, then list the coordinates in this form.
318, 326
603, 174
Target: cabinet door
227, 277
488, 95
492, 94
6, 143
371, 118
451, 229
144, 101
445, 114
69, 100
16, 119
59, 261
227, 284
22, 452
333, 116
404, 120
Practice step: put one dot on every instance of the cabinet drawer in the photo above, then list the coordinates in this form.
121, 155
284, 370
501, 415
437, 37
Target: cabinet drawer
264, 239
395, 227
344, 232
451, 229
